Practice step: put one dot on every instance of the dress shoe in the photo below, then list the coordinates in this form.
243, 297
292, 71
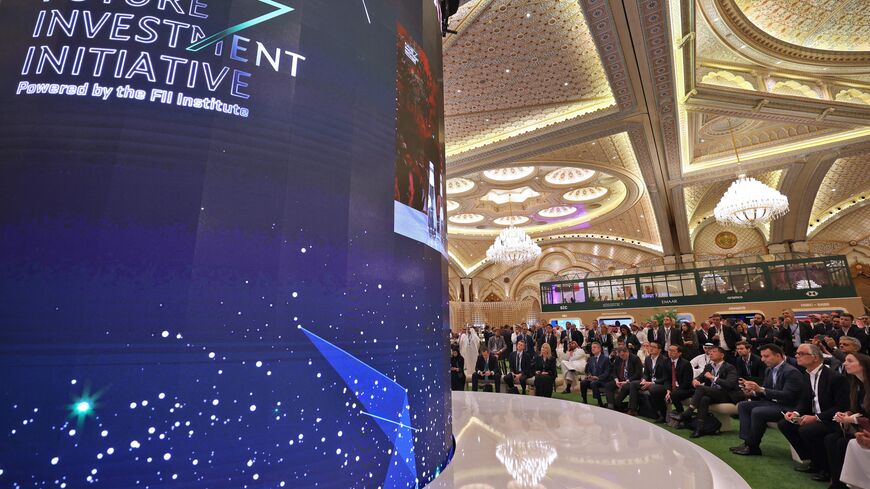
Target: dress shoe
660, 420
821, 477
566, 391
631, 412
747, 450
807, 469
696, 434
739, 447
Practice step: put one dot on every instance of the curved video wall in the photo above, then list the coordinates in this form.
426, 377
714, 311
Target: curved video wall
222, 246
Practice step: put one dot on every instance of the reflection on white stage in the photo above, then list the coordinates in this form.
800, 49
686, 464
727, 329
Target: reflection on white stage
512, 441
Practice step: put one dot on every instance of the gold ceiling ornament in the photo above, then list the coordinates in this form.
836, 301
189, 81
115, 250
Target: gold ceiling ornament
585, 194
726, 240
459, 186
452, 205
511, 220
512, 174
558, 211
568, 176
748, 202
504, 196
465, 218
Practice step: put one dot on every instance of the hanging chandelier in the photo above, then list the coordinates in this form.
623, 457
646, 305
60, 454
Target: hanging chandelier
513, 247
748, 202
526, 461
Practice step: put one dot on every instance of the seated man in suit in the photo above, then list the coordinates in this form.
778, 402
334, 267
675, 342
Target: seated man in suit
626, 369
825, 393
597, 373
749, 365
522, 364
779, 393
486, 370
717, 384
653, 381
678, 378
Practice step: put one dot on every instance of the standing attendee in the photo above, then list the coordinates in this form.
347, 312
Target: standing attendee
655, 369
598, 373
457, 370
728, 336
630, 340
545, 372
765, 403
626, 368
825, 393
486, 369
496, 346
717, 384
572, 334
857, 366
669, 334
487, 334
706, 334
793, 333
522, 365
759, 332
689, 339
574, 362
469, 347
849, 329
640, 332
679, 378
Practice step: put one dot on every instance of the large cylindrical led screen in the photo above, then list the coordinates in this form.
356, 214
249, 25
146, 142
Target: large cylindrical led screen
222, 244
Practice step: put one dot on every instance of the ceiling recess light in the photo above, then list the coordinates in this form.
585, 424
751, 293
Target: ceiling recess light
584, 194
465, 218
509, 174
517, 195
511, 220
568, 176
459, 185
452, 205
558, 211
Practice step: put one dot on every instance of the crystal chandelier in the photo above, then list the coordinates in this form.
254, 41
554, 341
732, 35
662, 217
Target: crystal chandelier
712, 281
513, 247
748, 202
526, 461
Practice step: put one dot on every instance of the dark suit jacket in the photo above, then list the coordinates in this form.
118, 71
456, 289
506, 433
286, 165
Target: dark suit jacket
787, 389
661, 335
635, 368
727, 380
730, 337
632, 343
705, 337
486, 366
684, 373
759, 335
528, 363
785, 340
508, 341
833, 394
756, 366
599, 368
527, 339
856, 333
554, 339
548, 366
661, 370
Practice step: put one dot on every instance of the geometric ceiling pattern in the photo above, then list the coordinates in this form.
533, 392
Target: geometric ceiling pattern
658, 116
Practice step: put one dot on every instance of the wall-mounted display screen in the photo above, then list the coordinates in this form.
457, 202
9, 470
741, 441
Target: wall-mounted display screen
204, 278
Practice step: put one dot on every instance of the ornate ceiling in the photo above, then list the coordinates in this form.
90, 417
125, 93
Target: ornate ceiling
640, 106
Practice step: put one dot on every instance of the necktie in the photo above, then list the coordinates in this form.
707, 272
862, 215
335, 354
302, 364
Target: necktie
673, 376
625, 371
520, 362
746, 366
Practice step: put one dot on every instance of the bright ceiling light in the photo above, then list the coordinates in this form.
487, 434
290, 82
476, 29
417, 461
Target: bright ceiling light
465, 218
459, 185
511, 220
517, 195
558, 211
750, 203
568, 176
513, 247
509, 174
452, 205
584, 194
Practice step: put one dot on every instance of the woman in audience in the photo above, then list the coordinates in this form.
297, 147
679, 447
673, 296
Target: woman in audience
457, 370
630, 339
690, 340
858, 368
545, 372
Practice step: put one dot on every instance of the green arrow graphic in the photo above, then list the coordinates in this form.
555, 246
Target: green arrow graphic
280, 9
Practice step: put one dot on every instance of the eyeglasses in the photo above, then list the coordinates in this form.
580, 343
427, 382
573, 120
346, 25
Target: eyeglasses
802, 354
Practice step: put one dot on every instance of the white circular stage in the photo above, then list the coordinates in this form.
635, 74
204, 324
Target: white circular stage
512, 441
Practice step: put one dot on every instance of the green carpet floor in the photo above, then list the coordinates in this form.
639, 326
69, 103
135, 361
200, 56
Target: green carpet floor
773, 470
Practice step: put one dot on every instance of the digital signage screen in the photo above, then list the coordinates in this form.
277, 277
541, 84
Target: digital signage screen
222, 244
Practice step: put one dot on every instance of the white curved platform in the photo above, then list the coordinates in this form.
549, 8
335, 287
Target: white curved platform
512, 441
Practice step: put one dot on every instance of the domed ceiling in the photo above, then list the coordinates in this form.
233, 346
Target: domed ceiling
613, 133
